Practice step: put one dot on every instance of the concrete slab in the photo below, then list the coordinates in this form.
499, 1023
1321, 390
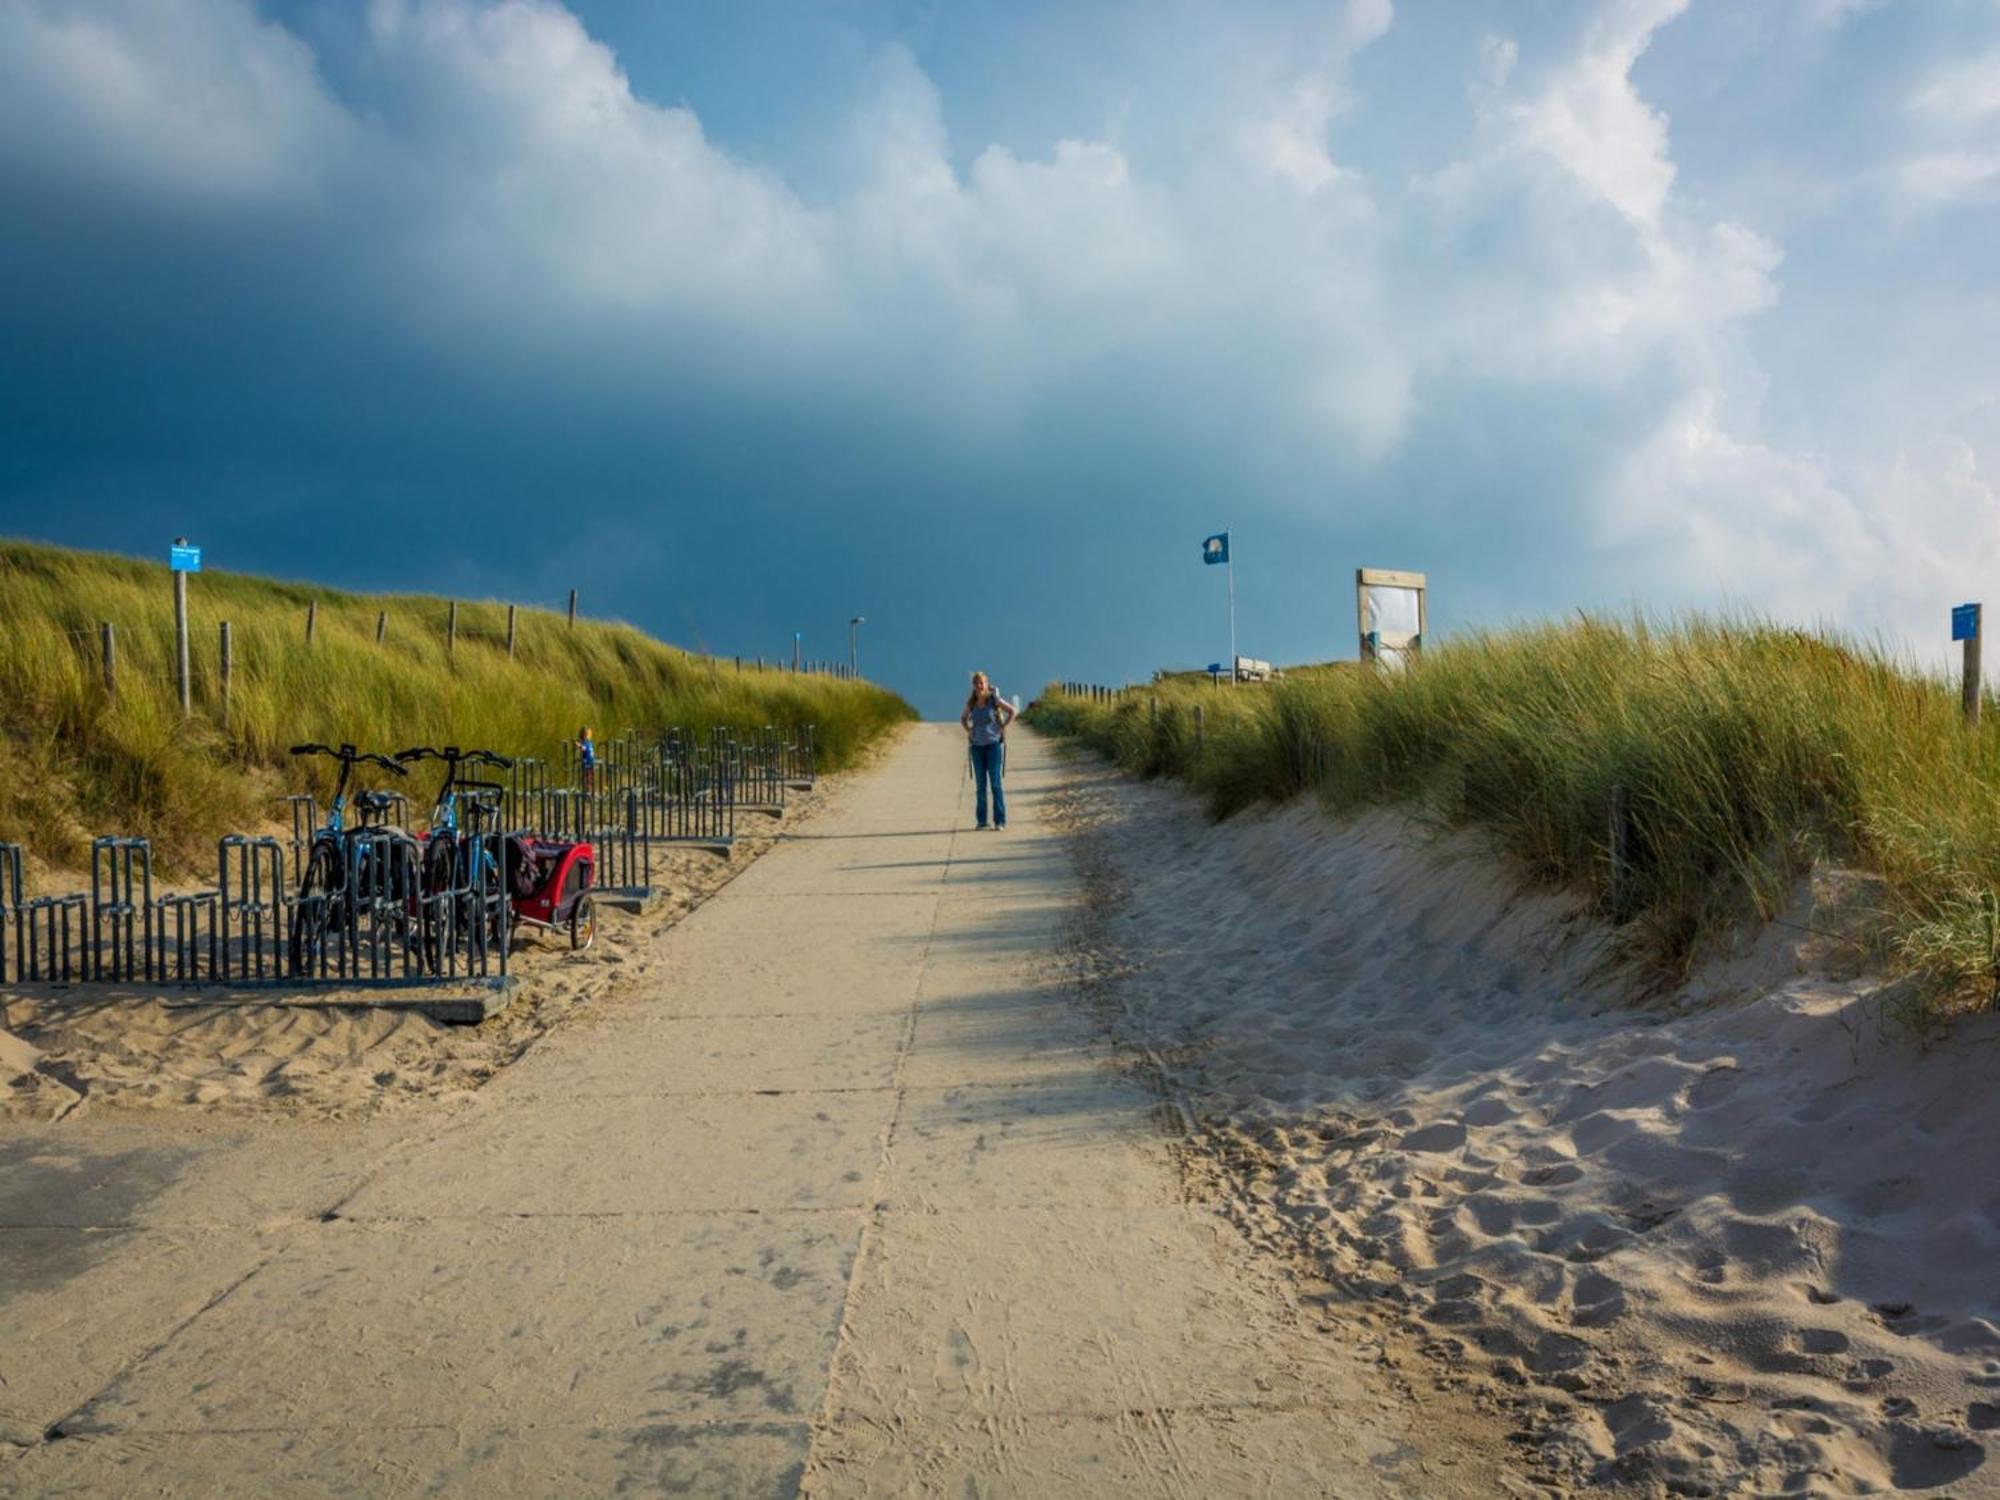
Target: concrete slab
619, 1322
642, 1155
1092, 1145
76, 1304
1143, 1453
982, 1315
752, 1460
657, 1054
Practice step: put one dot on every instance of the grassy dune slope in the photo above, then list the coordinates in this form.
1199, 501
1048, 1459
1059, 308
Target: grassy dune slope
74, 762
1745, 751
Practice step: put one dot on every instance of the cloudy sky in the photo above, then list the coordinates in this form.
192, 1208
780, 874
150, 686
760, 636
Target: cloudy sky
974, 317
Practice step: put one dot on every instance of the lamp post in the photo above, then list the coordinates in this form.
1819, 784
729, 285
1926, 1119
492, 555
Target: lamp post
853, 661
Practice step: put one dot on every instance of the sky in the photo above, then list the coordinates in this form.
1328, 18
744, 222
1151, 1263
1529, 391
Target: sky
974, 318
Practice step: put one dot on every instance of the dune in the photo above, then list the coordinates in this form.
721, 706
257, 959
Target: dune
1736, 1235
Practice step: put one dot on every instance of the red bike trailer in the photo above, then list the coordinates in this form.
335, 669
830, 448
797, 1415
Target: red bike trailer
549, 884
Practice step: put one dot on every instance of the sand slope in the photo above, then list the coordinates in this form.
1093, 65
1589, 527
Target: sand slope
1733, 1240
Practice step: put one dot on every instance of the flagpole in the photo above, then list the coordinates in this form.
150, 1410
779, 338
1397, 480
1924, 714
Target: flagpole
1230, 568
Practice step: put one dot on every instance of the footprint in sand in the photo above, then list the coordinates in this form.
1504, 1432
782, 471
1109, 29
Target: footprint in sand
1922, 1459
1445, 1135
1597, 1300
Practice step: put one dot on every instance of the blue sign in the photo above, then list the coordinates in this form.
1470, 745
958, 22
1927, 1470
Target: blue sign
1215, 549
184, 559
1965, 622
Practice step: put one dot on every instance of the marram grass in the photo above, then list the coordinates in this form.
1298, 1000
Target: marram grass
1745, 752
75, 762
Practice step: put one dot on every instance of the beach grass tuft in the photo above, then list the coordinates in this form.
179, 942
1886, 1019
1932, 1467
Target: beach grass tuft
1741, 752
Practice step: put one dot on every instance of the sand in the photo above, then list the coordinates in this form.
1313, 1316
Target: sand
303, 1052
1742, 1237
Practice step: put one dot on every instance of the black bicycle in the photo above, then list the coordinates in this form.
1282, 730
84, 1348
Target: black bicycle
335, 880
458, 857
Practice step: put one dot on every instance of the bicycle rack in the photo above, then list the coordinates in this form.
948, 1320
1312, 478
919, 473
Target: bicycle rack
55, 923
256, 910
11, 897
305, 824
194, 928
121, 899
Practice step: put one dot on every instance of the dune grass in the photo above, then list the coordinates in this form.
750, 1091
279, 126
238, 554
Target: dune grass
1745, 752
76, 762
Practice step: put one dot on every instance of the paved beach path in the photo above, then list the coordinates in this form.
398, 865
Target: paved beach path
854, 1201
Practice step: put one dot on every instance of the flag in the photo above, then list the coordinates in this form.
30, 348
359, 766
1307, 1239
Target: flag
1215, 549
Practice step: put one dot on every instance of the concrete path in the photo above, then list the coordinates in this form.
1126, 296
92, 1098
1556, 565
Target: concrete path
856, 1204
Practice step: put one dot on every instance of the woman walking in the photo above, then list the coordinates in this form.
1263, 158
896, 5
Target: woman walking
986, 718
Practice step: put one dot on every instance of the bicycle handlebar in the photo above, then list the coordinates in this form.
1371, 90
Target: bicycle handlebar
452, 755
352, 757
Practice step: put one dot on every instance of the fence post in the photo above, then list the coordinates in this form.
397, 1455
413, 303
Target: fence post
228, 662
510, 632
451, 629
1973, 686
572, 609
1621, 851
181, 631
381, 626
312, 619
110, 644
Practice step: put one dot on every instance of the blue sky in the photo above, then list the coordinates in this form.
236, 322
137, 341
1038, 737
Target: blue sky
975, 318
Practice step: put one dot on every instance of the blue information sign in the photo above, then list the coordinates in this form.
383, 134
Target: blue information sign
184, 559
1965, 622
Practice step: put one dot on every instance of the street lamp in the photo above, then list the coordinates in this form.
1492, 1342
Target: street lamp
853, 663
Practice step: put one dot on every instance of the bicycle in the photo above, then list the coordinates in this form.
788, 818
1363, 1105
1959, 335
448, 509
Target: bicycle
457, 858
333, 880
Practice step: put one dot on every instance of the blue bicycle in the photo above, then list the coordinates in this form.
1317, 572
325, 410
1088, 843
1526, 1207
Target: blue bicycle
333, 873
460, 879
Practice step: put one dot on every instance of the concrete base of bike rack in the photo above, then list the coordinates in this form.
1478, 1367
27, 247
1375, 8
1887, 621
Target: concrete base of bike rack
480, 1000
630, 898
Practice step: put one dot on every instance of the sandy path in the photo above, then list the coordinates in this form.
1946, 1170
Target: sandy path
854, 1202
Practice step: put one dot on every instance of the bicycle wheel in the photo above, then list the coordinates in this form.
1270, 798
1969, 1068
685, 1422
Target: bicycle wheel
316, 911
437, 907
583, 924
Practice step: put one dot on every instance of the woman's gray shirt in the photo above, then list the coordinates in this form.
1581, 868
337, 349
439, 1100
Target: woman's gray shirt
986, 724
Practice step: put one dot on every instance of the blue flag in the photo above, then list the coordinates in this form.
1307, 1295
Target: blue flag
1215, 549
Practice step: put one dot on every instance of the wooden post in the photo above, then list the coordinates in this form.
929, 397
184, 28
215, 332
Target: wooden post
451, 629
381, 626
312, 619
1973, 687
110, 643
760, 663
181, 633
572, 609
510, 632
227, 659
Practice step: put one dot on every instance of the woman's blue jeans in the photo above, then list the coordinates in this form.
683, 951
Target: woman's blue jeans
987, 761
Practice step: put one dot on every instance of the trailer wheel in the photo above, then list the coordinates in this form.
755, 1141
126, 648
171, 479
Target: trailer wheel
583, 924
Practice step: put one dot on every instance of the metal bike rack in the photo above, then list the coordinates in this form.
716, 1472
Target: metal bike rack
11, 897
252, 904
121, 907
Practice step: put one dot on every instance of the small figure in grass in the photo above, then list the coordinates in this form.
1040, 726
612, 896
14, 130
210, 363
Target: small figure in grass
586, 760
985, 719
